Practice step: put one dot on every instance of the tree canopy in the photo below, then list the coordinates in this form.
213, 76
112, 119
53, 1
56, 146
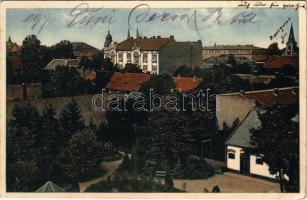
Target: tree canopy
279, 147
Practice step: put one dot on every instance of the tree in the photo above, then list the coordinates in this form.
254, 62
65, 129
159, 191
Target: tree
132, 68
160, 84
279, 147
86, 63
98, 61
232, 60
63, 50
70, 121
23, 149
34, 58
183, 70
83, 153
273, 50
50, 141
66, 81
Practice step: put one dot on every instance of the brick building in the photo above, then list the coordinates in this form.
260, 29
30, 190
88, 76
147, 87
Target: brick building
250, 52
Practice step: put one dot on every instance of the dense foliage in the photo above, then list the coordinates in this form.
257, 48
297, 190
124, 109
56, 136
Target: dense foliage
279, 147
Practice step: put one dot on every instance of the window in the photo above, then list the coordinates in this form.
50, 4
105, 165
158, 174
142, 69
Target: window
145, 68
259, 161
145, 57
120, 57
112, 54
154, 58
136, 57
128, 57
231, 155
154, 69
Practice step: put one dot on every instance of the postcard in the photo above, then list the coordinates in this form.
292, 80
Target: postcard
152, 99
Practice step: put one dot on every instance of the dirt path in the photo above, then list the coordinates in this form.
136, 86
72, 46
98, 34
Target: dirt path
110, 167
228, 182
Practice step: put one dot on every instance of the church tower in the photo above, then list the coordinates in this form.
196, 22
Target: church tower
291, 45
108, 40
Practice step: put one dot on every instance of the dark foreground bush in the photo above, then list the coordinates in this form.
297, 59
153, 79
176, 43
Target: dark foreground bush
130, 184
192, 168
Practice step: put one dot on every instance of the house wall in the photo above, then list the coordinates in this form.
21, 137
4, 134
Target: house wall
234, 163
174, 54
262, 170
231, 107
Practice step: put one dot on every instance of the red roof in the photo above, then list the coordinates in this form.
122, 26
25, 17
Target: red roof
277, 62
186, 84
144, 43
127, 81
281, 96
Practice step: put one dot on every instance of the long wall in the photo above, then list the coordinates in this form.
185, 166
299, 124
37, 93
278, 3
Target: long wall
89, 114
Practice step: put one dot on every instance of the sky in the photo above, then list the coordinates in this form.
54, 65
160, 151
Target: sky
91, 25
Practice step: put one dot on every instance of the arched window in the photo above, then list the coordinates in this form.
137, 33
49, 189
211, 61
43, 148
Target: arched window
112, 56
120, 57
145, 57
129, 57
136, 57
231, 155
154, 58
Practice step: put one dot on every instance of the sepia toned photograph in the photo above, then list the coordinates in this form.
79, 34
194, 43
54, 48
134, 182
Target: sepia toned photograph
153, 97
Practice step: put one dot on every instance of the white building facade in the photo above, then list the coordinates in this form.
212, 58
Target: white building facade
155, 55
238, 144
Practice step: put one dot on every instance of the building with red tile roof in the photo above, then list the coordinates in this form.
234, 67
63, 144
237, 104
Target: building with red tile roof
236, 105
127, 82
131, 82
155, 55
186, 84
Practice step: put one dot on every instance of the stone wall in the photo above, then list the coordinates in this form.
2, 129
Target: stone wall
28, 91
89, 114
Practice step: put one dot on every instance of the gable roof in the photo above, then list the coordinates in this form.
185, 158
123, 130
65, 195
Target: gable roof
62, 62
277, 96
144, 43
49, 186
277, 62
240, 137
186, 84
127, 81
12, 47
82, 46
270, 97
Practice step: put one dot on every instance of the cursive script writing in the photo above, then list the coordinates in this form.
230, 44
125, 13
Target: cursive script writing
142, 13
82, 14
37, 21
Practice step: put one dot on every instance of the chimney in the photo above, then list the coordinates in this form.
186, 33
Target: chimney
178, 76
275, 90
172, 37
194, 78
242, 92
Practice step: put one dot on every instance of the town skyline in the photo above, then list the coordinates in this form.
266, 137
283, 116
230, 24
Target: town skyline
21, 22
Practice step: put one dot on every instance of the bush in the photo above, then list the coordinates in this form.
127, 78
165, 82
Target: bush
192, 168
